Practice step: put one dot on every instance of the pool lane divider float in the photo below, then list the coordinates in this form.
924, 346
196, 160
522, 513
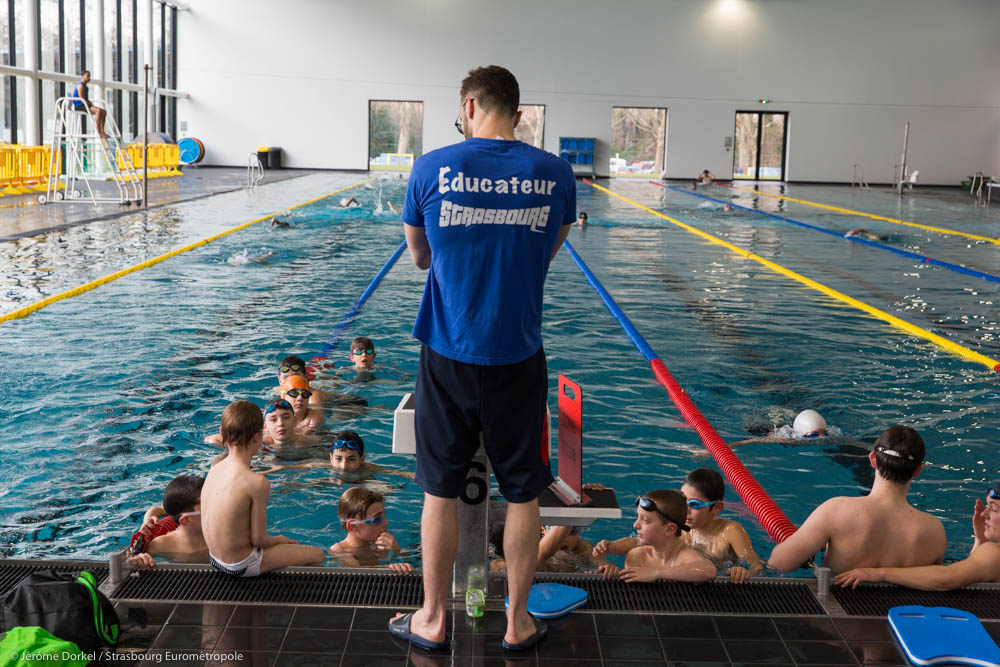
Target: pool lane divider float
86, 287
774, 521
903, 325
828, 207
875, 244
345, 322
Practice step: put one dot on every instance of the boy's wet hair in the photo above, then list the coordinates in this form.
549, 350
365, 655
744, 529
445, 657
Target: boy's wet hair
355, 502
493, 88
708, 483
899, 451
362, 343
671, 503
350, 436
292, 360
182, 494
241, 422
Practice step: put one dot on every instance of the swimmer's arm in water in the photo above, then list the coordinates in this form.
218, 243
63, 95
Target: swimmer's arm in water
297, 466
551, 542
416, 241
150, 517
619, 547
742, 547
374, 467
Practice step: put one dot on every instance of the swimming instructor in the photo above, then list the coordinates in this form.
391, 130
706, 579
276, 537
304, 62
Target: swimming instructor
486, 216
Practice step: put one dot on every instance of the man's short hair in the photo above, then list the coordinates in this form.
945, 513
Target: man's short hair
86, 71
493, 88
362, 343
708, 483
355, 502
292, 360
182, 494
899, 451
241, 422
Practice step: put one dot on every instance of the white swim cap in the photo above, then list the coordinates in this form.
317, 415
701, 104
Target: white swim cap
808, 421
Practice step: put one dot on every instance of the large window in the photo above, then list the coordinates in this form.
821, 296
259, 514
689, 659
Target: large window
531, 129
395, 134
638, 141
760, 145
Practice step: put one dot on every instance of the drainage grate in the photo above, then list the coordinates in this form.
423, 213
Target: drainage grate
876, 600
719, 597
12, 574
375, 589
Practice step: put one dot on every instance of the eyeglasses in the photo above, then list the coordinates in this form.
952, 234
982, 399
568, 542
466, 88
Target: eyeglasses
371, 521
290, 368
648, 505
277, 404
700, 504
349, 444
458, 121
358, 353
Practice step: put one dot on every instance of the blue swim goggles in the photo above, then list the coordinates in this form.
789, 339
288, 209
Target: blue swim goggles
277, 404
994, 491
373, 521
350, 444
700, 504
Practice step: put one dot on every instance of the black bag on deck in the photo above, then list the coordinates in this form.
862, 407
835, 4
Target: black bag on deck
67, 605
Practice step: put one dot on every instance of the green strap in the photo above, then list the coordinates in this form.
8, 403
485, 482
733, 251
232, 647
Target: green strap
90, 583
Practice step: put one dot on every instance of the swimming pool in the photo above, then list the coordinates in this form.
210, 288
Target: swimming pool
109, 394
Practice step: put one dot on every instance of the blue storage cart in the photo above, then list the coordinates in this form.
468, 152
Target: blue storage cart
579, 152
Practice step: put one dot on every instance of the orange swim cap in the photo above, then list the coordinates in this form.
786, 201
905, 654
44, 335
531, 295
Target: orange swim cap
295, 382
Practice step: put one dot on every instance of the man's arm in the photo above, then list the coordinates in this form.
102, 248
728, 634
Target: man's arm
982, 565
814, 535
416, 241
563, 233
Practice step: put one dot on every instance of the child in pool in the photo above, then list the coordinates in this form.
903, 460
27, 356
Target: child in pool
661, 516
279, 427
347, 455
182, 503
296, 390
368, 541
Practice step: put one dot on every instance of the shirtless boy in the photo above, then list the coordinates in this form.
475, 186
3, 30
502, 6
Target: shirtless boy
182, 502
878, 530
722, 540
661, 554
234, 505
347, 455
368, 541
982, 565
295, 389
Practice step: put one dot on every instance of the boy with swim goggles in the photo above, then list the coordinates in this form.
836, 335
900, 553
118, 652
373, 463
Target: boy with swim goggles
368, 541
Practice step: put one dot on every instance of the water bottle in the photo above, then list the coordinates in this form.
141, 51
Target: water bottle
475, 591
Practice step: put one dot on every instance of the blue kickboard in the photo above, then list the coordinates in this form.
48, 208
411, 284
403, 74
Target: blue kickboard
940, 635
552, 600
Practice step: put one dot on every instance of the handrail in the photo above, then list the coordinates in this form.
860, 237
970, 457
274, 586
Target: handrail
255, 170
858, 175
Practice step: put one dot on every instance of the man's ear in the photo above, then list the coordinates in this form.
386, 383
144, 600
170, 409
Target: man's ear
517, 118
871, 458
919, 469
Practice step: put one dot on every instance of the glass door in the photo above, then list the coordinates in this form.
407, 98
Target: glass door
759, 152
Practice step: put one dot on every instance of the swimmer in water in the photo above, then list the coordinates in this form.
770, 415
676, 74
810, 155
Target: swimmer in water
368, 542
296, 390
392, 208
278, 222
727, 208
245, 258
349, 202
808, 425
347, 455
582, 218
865, 234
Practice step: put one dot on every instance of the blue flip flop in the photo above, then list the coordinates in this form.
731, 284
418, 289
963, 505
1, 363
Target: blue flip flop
400, 628
541, 629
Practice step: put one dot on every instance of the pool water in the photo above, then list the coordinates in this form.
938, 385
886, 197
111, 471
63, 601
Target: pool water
109, 395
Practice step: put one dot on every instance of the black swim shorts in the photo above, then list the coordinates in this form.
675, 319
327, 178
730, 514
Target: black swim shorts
455, 401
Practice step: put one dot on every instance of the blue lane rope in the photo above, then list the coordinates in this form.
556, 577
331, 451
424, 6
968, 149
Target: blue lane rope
348, 318
627, 325
874, 244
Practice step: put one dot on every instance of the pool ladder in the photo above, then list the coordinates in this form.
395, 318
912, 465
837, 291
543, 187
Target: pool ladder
858, 178
984, 182
255, 171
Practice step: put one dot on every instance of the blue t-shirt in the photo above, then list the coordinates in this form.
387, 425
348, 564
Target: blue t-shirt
77, 100
492, 211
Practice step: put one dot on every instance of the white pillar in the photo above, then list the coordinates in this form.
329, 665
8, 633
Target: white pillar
150, 60
97, 39
32, 130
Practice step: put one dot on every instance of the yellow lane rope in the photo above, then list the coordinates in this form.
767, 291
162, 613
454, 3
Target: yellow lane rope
942, 230
38, 305
894, 321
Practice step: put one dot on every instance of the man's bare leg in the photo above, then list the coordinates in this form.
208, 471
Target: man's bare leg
99, 120
520, 550
439, 542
